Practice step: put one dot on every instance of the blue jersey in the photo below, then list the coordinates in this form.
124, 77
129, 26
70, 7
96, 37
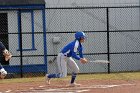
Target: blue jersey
71, 50
2, 47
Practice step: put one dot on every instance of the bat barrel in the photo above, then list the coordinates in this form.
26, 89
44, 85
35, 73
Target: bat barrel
100, 61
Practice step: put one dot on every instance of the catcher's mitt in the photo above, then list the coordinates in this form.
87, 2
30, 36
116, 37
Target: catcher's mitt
7, 55
3, 73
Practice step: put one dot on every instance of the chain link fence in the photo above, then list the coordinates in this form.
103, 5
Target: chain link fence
113, 34
35, 37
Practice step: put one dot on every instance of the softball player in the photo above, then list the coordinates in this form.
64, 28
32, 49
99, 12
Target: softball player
66, 57
7, 56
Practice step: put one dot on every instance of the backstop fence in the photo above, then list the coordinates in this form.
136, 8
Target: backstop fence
35, 38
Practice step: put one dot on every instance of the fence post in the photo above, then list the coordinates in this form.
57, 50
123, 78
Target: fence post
20, 32
45, 40
108, 50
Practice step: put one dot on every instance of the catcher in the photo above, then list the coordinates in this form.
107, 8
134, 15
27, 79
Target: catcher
66, 56
7, 55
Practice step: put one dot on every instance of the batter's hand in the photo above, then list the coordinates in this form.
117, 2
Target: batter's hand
83, 60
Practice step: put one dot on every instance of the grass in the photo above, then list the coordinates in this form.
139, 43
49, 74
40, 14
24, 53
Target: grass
112, 76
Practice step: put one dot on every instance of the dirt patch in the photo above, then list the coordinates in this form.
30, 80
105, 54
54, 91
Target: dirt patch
87, 86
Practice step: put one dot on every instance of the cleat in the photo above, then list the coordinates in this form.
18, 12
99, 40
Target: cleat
74, 85
47, 79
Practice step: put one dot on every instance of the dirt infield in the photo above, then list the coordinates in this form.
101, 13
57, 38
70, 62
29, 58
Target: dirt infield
60, 86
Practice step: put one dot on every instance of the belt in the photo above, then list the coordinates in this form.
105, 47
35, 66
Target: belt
64, 54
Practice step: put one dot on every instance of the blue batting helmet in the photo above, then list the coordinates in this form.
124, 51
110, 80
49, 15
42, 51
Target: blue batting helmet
79, 35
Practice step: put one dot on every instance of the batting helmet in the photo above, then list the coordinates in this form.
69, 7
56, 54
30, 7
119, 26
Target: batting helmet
79, 35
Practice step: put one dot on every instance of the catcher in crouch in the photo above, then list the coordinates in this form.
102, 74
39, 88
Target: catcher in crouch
66, 56
7, 55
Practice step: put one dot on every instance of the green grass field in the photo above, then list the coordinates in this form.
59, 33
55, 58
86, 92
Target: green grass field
101, 76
